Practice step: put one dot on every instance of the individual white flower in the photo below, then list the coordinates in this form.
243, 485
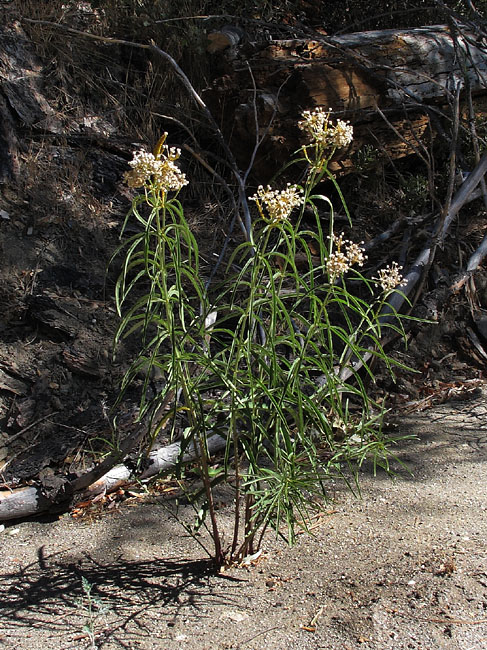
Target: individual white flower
390, 277
278, 203
318, 125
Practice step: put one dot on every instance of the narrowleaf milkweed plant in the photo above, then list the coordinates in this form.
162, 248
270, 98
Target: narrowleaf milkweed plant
268, 357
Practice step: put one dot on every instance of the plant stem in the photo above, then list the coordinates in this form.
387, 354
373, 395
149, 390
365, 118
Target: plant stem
219, 555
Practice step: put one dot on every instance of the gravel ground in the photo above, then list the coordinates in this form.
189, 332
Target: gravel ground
404, 567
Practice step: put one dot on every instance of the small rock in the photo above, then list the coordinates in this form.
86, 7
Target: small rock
238, 617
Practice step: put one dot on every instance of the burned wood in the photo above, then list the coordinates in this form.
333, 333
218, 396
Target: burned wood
229, 36
21, 80
55, 321
9, 144
22, 102
11, 384
396, 71
20, 433
78, 363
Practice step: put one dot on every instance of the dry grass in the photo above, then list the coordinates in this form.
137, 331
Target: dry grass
125, 84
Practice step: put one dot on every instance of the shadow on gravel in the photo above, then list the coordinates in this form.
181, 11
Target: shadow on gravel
438, 441
46, 592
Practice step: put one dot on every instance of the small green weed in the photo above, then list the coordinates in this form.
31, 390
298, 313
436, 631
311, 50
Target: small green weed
93, 608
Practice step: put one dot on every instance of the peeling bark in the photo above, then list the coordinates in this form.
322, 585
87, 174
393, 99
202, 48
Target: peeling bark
405, 75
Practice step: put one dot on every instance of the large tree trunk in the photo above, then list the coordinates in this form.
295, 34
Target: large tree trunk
390, 84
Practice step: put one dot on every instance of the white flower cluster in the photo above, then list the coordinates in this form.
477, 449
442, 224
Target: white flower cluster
278, 203
347, 254
161, 169
317, 124
390, 277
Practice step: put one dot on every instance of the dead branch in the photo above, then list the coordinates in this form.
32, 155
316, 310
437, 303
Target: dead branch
472, 265
398, 298
412, 277
28, 501
477, 256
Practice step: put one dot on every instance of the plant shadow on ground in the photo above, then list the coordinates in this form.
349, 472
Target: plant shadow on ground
34, 595
456, 429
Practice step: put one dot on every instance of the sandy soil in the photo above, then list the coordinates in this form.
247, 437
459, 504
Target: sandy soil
405, 567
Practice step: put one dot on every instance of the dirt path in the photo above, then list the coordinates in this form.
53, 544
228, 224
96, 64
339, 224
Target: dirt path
404, 568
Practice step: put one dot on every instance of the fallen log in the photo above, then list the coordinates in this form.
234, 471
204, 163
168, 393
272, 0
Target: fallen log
227, 37
388, 83
32, 500
22, 502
